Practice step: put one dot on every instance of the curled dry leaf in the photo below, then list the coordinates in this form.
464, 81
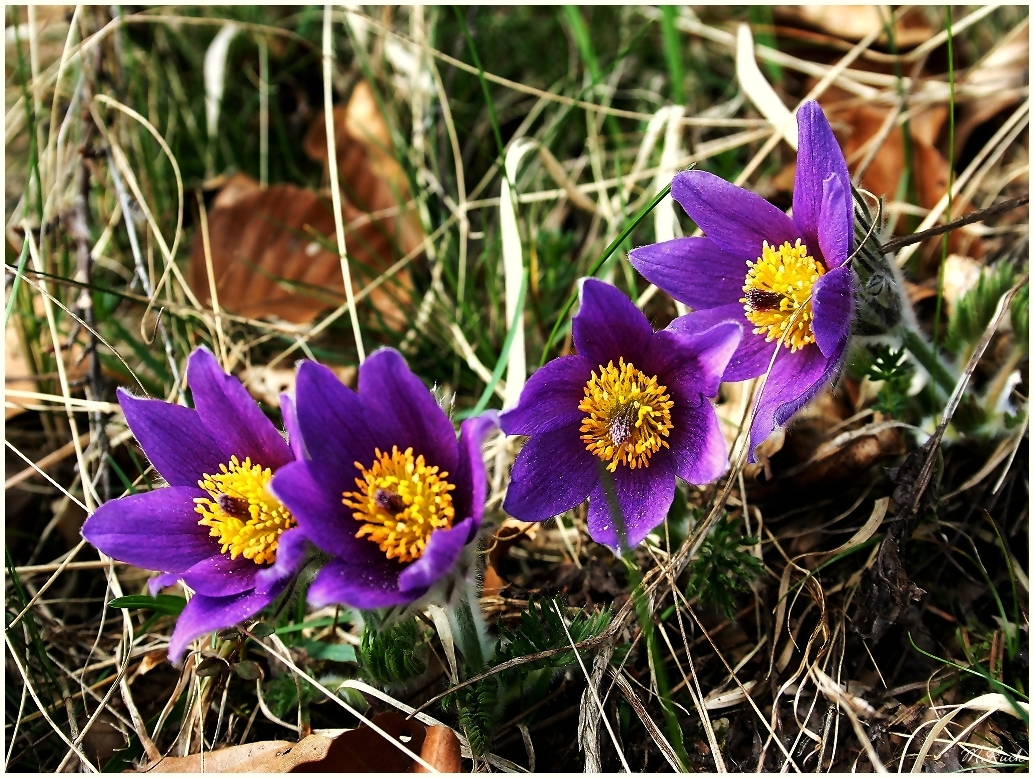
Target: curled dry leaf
1002, 75
371, 178
360, 750
442, 750
274, 250
364, 750
266, 384
270, 256
854, 22
818, 453
271, 756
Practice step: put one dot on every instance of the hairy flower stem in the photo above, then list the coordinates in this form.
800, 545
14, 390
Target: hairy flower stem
467, 622
656, 659
927, 357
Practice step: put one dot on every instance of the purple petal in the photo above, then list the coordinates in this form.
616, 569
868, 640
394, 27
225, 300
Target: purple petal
220, 576
550, 398
443, 549
406, 411
692, 270
334, 427
471, 482
207, 614
159, 582
156, 530
832, 303
736, 220
174, 438
361, 586
834, 240
230, 415
608, 325
795, 379
698, 451
753, 353
818, 157
321, 515
290, 553
294, 433
644, 496
553, 473
693, 362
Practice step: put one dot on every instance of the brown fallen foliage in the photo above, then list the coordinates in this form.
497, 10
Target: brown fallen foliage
272, 756
360, 750
273, 250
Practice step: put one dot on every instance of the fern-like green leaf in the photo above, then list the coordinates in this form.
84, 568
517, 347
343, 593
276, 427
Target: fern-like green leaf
723, 568
390, 654
975, 308
541, 629
1019, 312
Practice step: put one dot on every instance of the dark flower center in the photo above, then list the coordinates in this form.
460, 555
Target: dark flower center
777, 294
241, 511
392, 502
401, 501
629, 415
233, 506
622, 424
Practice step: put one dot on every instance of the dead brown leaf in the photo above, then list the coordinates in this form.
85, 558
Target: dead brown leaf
270, 256
363, 750
271, 756
266, 384
854, 22
442, 750
371, 178
272, 250
492, 583
360, 750
1004, 73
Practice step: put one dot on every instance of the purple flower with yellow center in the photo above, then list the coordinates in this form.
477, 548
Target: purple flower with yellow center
783, 278
385, 487
630, 408
216, 526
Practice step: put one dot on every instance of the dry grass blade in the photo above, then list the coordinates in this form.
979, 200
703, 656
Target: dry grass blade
594, 693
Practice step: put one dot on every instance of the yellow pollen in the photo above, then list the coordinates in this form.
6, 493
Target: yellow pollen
777, 286
629, 416
401, 501
241, 512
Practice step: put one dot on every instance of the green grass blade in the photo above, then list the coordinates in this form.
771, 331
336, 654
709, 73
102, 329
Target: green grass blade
673, 53
643, 213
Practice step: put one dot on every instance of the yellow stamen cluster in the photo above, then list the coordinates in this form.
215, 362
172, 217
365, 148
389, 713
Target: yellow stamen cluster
401, 501
241, 512
629, 416
777, 286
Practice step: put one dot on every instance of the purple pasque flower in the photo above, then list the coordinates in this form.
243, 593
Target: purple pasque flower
630, 407
216, 526
758, 266
385, 487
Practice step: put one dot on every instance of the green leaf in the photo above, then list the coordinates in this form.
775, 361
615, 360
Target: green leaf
261, 630
390, 654
248, 670
328, 652
723, 568
1019, 313
213, 665
975, 308
168, 604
